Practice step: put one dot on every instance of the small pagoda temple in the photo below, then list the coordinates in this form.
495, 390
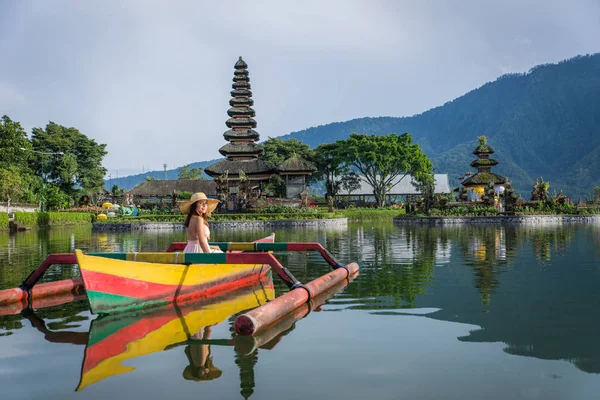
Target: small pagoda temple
477, 184
241, 174
295, 172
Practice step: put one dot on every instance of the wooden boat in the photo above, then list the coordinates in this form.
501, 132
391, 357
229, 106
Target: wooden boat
115, 282
113, 339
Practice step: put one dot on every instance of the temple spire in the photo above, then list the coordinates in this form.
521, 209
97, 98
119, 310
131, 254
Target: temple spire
242, 174
241, 124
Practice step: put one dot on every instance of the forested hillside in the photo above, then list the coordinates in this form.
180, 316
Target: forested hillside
543, 123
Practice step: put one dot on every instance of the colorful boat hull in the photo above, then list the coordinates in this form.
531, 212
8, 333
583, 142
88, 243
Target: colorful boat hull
117, 282
114, 339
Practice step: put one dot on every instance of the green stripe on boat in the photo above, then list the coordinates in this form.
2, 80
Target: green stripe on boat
100, 302
276, 246
222, 245
205, 258
116, 256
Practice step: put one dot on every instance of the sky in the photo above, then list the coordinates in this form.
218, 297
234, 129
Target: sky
151, 79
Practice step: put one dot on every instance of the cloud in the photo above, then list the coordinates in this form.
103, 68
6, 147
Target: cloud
10, 97
152, 79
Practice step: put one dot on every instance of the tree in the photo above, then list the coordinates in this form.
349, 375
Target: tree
12, 139
277, 150
350, 182
330, 165
55, 198
427, 189
79, 165
596, 195
11, 184
116, 191
382, 159
187, 173
540, 190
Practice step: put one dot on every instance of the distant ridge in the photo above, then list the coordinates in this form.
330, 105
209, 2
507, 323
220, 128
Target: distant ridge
542, 123
129, 182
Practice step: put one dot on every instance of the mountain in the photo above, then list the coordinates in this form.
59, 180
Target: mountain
542, 123
128, 182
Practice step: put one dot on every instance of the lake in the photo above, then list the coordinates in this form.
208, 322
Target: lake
470, 312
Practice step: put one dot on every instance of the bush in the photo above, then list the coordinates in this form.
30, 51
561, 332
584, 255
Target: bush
372, 214
73, 218
184, 196
32, 219
3, 220
286, 209
29, 219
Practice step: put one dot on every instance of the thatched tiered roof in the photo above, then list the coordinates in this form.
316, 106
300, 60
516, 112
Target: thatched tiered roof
296, 164
249, 167
484, 165
242, 152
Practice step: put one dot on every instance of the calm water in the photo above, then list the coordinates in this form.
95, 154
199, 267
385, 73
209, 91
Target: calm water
436, 313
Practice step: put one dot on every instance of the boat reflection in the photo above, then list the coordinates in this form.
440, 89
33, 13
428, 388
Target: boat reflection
117, 338
114, 339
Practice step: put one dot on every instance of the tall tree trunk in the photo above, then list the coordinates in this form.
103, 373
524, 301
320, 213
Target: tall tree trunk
379, 196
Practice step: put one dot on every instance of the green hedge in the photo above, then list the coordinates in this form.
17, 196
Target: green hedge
383, 214
3, 221
224, 217
372, 214
32, 219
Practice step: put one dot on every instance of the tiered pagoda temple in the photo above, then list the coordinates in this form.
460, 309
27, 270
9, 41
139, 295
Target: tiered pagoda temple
241, 173
477, 184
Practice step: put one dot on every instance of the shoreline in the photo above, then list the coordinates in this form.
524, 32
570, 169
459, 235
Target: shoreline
500, 220
176, 226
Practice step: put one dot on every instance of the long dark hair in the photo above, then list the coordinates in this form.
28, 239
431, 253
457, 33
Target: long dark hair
194, 211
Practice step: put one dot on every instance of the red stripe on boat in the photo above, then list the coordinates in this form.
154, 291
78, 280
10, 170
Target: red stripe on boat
111, 284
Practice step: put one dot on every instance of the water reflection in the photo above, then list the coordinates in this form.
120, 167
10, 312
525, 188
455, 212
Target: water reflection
533, 289
488, 251
115, 339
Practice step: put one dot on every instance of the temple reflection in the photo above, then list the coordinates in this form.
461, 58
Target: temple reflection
488, 251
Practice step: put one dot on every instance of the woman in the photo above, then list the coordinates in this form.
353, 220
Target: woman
198, 210
201, 366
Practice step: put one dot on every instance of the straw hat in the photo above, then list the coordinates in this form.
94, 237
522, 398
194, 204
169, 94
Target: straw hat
186, 205
206, 372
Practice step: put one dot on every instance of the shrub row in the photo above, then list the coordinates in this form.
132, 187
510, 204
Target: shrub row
3, 221
372, 214
32, 219
223, 217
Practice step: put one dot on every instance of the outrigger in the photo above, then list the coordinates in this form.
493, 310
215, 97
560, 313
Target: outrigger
117, 282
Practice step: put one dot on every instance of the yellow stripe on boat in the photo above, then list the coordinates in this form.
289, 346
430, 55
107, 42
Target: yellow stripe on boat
166, 274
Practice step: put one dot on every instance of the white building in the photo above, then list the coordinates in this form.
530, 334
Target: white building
402, 188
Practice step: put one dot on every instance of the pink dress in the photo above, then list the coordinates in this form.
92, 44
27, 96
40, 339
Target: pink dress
193, 246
